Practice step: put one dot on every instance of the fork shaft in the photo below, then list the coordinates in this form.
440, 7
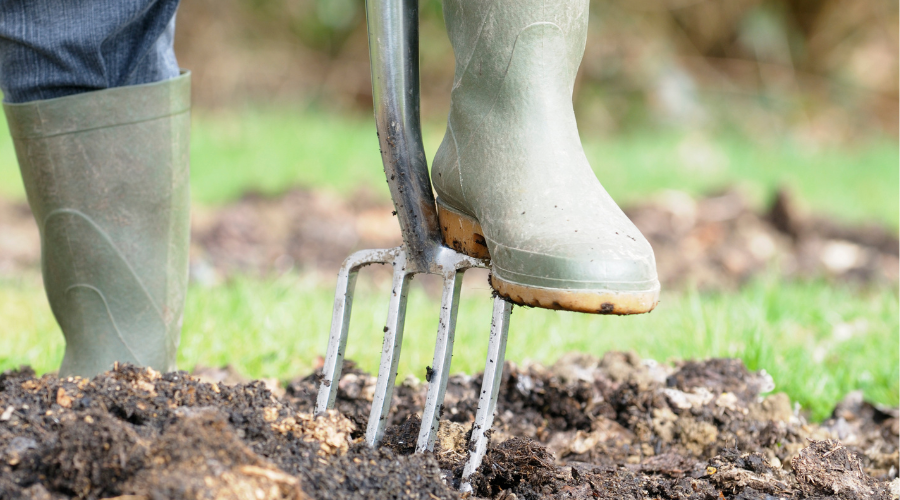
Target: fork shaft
443, 352
390, 352
490, 388
393, 29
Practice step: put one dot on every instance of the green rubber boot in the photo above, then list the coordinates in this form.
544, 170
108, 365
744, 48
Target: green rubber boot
512, 180
106, 175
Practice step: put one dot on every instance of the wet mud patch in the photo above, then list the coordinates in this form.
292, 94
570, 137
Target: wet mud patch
586, 427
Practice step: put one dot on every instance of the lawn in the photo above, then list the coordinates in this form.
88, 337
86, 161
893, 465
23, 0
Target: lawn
819, 340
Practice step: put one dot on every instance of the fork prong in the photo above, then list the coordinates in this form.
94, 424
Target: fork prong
490, 388
390, 352
340, 321
443, 352
337, 339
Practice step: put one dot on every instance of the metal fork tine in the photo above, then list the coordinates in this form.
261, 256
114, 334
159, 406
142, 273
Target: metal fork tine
337, 339
490, 388
390, 352
340, 321
443, 352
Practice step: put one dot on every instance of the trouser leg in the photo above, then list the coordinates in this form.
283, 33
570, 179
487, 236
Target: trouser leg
56, 48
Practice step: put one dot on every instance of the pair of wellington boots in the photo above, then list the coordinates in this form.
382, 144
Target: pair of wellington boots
106, 175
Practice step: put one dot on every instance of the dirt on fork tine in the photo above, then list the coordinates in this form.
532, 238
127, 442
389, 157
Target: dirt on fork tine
612, 427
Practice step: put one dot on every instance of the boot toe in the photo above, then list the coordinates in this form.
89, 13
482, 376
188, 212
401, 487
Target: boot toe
605, 277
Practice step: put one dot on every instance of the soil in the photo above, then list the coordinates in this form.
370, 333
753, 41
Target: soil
615, 427
716, 242
137, 432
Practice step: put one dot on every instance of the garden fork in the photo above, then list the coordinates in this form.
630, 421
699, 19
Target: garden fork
393, 28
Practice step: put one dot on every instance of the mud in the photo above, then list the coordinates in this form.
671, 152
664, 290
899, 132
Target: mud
586, 427
714, 242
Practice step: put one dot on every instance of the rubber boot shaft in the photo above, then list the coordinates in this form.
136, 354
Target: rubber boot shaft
106, 174
511, 170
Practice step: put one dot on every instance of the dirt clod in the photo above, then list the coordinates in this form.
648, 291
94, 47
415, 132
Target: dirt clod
829, 468
518, 463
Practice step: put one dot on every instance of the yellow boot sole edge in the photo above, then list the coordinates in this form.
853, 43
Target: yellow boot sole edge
464, 234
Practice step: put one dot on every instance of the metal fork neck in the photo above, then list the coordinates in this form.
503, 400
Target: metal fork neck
393, 27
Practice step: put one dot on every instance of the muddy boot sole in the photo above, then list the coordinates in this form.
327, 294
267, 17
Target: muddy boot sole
463, 233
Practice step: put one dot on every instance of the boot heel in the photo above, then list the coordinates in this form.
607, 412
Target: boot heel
462, 232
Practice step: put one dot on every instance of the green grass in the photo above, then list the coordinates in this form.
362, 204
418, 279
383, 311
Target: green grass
270, 150
276, 328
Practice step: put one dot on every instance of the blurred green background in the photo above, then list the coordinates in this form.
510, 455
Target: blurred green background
672, 95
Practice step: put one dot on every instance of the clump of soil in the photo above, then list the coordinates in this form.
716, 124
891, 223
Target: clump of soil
517, 463
614, 427
828, 468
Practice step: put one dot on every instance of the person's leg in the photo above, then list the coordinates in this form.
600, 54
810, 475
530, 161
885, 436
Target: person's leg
100, 121
56, 48
511, 177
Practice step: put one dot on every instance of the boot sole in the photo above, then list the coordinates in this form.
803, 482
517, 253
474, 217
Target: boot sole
463, 233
